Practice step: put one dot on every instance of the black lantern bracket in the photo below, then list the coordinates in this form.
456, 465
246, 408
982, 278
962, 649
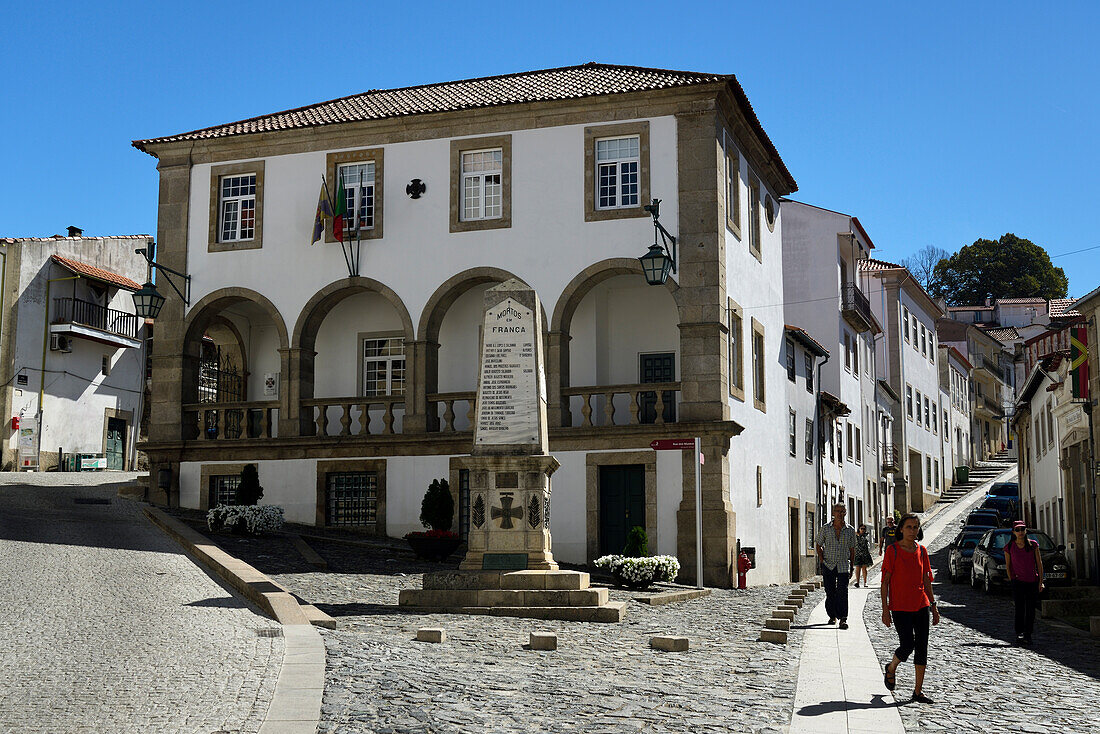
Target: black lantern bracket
668, 241
144, 252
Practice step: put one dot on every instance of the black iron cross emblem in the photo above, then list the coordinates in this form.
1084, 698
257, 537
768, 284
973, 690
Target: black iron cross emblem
506, 513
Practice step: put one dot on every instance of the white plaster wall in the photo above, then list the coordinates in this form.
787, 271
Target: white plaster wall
548, 244
922, 374
338, 363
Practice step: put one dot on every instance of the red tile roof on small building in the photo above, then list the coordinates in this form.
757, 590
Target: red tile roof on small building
803, 337
95, 273
1062, 308
1003, 334
873, 264
541, 85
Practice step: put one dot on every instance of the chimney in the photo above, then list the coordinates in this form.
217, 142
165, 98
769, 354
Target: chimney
76, 232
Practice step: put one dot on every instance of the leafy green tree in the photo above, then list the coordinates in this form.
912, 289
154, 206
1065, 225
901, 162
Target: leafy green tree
1010, 267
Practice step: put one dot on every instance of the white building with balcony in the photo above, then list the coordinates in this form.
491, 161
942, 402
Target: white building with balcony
70, 335
352, 387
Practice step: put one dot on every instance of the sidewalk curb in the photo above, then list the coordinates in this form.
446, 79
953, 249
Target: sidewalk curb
296, 702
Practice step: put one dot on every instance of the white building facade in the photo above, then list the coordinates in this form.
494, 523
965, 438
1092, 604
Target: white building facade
70, 335
339, 383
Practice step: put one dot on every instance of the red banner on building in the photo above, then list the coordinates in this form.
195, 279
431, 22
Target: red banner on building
1079, 361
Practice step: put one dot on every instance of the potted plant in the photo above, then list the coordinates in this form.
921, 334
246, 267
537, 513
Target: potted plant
437, 509
635, 568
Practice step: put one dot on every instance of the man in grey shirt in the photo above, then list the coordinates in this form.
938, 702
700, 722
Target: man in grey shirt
836, 549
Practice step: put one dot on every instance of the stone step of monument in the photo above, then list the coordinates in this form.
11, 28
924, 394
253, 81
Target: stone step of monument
502, 598
516, 580
613, 611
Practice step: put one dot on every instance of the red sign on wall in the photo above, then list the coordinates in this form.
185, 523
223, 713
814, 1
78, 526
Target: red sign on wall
672, 444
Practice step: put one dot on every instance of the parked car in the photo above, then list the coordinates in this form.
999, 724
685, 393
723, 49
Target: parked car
984, 519
1007, 507
960, 553
988, 563
1004, 489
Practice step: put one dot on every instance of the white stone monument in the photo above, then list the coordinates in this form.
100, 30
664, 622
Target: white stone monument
509, 567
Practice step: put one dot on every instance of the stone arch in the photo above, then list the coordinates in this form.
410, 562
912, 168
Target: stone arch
592, 276
446, 294
212, 304
315, 310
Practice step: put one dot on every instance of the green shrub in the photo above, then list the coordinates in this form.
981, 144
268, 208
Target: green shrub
438, 507
637, 543
249, 491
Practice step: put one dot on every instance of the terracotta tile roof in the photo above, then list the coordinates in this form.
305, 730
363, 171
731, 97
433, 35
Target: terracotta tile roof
564, 83
1062, 308
872, 264
1021, 300
1003, 334
803, 337
91, 271
13, 240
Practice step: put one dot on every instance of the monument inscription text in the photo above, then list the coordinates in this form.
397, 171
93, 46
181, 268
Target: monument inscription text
508, 391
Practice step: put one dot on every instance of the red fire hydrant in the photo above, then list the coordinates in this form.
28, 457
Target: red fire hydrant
743, 566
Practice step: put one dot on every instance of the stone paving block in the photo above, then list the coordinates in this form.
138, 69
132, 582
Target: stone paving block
777, 624
770, 635
544, 641
431, 634
788, 608
783, 614
669, 643
793, 601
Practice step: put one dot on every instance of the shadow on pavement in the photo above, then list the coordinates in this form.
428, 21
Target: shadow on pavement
219, 602
878, 701
366, 610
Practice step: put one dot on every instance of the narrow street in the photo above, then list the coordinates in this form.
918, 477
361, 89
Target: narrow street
109, 627
981, 681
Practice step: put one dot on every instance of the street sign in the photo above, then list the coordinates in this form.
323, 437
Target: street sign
672, 444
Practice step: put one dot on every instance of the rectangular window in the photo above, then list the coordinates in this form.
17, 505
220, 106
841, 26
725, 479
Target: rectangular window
754, 218
913, 319
928, 471
351, 498
832, 448
618, 165
481, 185
847, 353
859, 447
839, 445
223, 489
237, 207
931, 346
927, 412
923, 341
736, 351
905, 321
855, 355
809, 441
383, 366
936, 473
358, 181
733, 186
792, 433
809, 372
909, 402
919, 419
105, 365
758, 365
848, 431
811, 529
791, 374
946, 425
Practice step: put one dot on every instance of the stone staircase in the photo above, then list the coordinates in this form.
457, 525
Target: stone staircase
983, 472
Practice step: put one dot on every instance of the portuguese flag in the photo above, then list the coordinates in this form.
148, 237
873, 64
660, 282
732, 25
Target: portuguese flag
1079, 361
340, 209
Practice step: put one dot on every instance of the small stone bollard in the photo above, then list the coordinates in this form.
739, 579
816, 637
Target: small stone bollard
788, 608
777, 624
669, 644
431, 634
770, 635
544, 641
783, 614
793, 601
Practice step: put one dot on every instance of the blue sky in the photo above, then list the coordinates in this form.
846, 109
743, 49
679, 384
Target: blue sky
934, 123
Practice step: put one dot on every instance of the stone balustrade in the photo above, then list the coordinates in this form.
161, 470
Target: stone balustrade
619, 405
335, 417
232, 420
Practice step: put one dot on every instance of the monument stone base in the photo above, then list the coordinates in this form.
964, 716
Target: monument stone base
533, 594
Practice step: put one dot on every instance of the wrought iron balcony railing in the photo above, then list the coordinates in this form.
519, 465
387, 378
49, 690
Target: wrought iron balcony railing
86, 313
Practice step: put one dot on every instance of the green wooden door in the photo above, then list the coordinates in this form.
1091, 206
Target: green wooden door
116, 443
622, 505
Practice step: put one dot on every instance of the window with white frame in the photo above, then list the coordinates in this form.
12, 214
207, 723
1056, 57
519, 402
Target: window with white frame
918, 409
859, 446
733, 185
848, 429
855, 355
754, 218
237, 207
923, 341
792, 433
909, 402
358, 182
791, 372
736, 351
618, 163
383, 366
482, 196
905, 321
839, 444
809, 440
927, 412
758, 365
809, 372
847, 352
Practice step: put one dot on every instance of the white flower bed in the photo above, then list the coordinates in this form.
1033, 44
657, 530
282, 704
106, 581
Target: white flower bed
257, 518
641, 570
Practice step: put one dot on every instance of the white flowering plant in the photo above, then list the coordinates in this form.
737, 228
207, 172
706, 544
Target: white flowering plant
640, 572
253, 519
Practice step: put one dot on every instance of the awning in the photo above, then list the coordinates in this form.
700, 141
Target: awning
91, 272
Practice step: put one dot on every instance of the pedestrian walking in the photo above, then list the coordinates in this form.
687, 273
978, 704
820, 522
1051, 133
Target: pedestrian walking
1024, 570
836, 549
863, 558
906, 601
888, 535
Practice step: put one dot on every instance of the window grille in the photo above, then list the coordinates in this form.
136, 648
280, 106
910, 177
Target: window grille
223, 489
351, 498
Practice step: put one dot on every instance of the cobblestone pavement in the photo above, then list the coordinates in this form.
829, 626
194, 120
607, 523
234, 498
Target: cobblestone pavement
109, 628
602, 678
980, 681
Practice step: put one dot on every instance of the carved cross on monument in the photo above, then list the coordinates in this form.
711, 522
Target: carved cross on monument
506, 513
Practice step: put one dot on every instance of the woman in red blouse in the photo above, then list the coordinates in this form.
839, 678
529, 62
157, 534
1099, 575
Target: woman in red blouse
906, 601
